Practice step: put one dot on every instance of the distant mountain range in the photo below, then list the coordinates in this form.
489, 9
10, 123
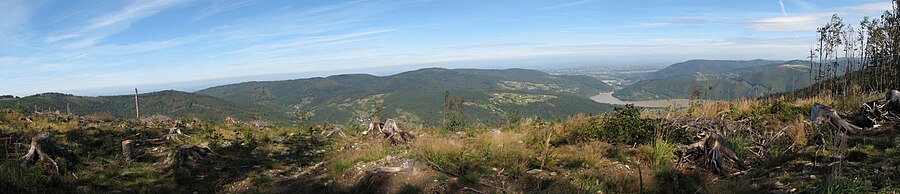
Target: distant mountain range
414, 96
418, 96
720, 79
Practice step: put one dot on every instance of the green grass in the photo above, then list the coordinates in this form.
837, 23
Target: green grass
663, 154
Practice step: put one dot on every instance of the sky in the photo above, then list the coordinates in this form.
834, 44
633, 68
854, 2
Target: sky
110, 47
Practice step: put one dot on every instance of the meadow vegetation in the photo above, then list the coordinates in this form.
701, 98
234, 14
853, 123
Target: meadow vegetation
628, 151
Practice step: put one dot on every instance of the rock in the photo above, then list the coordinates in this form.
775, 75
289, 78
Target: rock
779, 185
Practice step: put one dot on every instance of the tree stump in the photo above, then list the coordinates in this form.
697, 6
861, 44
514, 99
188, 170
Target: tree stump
396, 135
715, 151
189, 155
43, 148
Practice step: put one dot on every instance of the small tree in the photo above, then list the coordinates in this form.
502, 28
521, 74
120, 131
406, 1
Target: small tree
454, 117
627, 127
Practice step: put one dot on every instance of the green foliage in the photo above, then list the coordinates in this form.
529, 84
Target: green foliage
454, 115
740, 145
783, 110
841, 184
626, 126
663, 154
582, 128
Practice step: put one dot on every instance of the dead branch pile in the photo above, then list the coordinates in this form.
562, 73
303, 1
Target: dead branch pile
692, 129
130, 148
712, 148
390, 131
43, 148
874, 117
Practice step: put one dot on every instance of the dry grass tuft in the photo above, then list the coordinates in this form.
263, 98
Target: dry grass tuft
586, 155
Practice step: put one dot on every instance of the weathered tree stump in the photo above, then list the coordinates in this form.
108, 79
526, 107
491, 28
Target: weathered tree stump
396, 135
389, 130
189, 155
822, 113
867, 121
893, 100
332, 129
43, 148
715, 151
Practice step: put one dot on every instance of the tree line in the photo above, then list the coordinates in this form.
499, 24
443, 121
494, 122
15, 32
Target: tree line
866, 57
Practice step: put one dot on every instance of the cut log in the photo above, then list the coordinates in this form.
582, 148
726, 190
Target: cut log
43, 148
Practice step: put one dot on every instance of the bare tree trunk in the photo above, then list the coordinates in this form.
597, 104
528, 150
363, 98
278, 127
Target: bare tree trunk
137, 108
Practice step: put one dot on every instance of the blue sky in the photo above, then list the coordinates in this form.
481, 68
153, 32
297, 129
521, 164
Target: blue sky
97, 47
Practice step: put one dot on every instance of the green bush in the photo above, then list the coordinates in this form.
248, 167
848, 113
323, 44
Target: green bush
627, 127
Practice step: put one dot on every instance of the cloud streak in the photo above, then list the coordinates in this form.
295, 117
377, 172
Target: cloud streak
98, 28
811, 21
565, 5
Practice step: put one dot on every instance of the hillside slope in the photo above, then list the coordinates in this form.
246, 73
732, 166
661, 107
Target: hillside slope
168, 103
690, 68
752, 79
418, 96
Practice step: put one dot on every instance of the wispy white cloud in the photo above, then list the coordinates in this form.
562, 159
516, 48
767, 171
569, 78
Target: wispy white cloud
811, 21
683, 21
783, 12
112, 23
15, 14
51, 39
220, 6
132, 12
565, 5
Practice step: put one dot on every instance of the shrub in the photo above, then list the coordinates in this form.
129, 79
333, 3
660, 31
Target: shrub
580, 128
627, 127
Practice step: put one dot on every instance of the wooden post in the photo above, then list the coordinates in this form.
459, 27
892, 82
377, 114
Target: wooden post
137, 108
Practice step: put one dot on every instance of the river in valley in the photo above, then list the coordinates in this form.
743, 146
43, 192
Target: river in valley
608, 98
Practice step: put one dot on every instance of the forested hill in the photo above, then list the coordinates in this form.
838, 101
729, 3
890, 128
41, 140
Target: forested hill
169, 103
720, 80
419, 96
